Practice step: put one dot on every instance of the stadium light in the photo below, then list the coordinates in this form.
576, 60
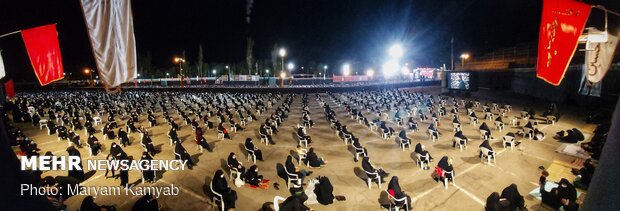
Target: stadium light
396, 51
346, 69
390, 68
290, 66
405, 70
370, 72
282, 52
464, 57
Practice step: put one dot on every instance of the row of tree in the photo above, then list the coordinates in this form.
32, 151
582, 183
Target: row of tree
200, 68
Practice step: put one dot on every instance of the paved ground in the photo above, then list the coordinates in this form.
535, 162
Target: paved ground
474, 181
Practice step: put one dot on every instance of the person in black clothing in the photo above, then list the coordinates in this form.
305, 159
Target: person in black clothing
367, 166
294, 202
221, 128
173, 135
95, 146
486, 128
263, 132
420, 149
88, 204
249, 144
314, 160
567, 191
324, 191
122, 136
459, 134
117, 151
148, 175
395, 191
146, 203
493, 203
291, 168
252, 177
584, 175
303, 135
515, 199
220, 186
235, 164
148, 144
181, 153
203, 143
444, 165
75, 173
485, 144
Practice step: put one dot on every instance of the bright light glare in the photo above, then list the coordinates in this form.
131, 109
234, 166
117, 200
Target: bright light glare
282, 52
465, 56
282, 74
213, 71
325, 67
405, 70
370, 72
346, 69
290, 66
390, 68
396, 51
267, 70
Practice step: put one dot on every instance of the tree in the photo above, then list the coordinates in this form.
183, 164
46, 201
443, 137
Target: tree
274, 58
145, 65
200, 62
249, 58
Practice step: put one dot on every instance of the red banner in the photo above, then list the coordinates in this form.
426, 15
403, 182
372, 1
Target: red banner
9, 89
44, 52
562, 23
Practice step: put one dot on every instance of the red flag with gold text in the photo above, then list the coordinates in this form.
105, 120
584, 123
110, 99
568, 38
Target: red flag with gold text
9, 89
44, 52
561, 24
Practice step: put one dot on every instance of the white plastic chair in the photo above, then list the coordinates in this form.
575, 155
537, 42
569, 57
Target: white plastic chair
276, 202
263, 138
292, 178
551, 119
460, 143
485, 155
302, 156
457, 127
217, 197
499, 126
484, 135
251, 155
445, 179
373, 176
508, 141
421, 160
528, 132
405, 206
431, 134
303, 140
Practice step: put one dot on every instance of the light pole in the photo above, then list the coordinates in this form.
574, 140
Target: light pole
228, 71
346, 69
464, 57
180, 61
282, 53
324, 71
90, 74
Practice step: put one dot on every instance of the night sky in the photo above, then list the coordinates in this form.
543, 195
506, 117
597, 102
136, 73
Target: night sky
320, 31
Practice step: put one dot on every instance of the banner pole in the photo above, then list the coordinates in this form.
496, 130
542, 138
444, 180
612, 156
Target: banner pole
601, 7
7, 34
